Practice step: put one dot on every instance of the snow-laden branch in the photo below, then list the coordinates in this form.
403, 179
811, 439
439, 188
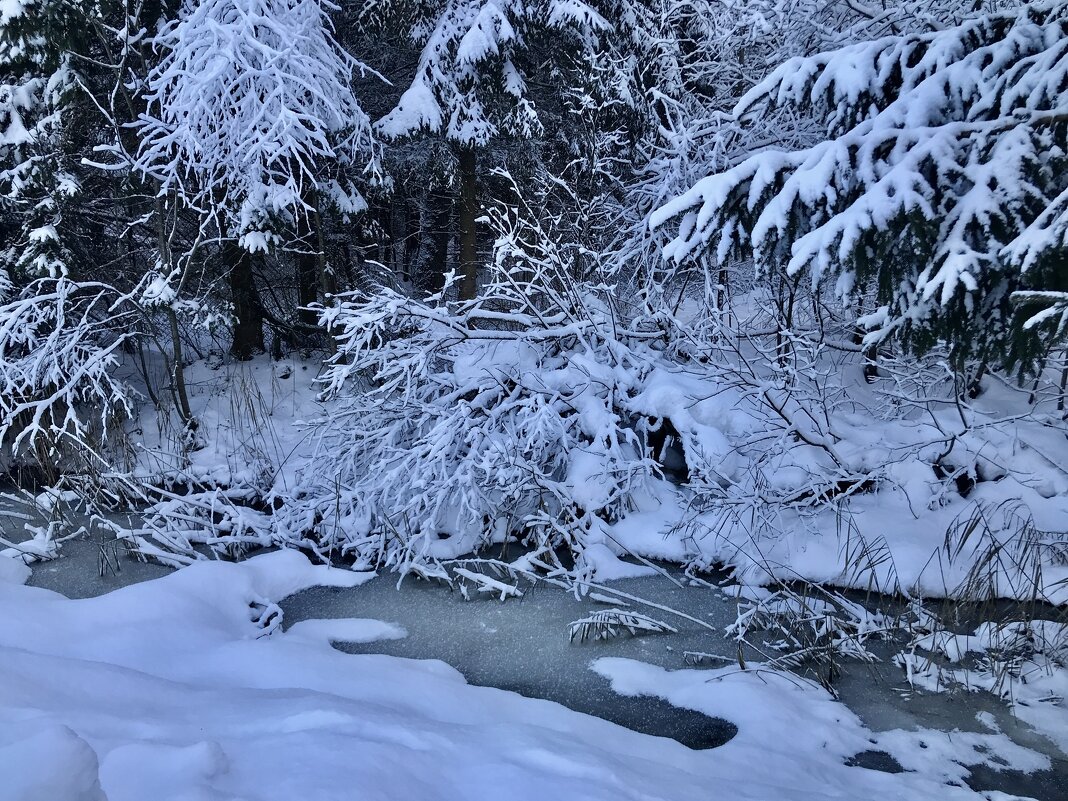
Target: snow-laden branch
251, 110
940, 176
59, 349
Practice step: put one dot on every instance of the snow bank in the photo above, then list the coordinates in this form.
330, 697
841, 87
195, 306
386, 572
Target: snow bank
765, 702
178, 689
13, 570
45, 763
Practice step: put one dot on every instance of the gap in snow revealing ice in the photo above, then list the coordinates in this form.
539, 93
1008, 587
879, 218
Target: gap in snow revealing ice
522, 646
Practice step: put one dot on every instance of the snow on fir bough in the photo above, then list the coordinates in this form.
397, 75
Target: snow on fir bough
940, 175
250, 114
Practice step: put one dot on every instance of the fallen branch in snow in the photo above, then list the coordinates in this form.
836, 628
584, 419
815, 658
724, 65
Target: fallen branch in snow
486, 583
607, 623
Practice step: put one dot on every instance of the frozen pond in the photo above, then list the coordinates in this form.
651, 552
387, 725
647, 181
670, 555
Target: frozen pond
77, 574
522, 645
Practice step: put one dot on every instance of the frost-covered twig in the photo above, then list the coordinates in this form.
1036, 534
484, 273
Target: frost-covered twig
607, 623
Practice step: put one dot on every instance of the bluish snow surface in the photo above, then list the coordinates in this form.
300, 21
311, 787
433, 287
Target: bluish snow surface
522, 645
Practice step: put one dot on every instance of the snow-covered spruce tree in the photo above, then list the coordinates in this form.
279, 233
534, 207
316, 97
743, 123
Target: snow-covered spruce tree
251, 118
61, 331
689, 62
36, 182
940, 180
471, 83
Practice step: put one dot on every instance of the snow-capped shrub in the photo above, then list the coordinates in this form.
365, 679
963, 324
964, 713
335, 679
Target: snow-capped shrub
169, 530
458, 424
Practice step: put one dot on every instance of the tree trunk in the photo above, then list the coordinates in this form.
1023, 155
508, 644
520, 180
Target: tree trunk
248, 315
313, 272
307, 263
413, 233
428, 274
327, 275
181, 394
1064, 383
468, 213
384, 216
175, 360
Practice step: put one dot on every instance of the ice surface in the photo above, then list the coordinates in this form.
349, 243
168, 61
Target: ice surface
522, 644
76, 572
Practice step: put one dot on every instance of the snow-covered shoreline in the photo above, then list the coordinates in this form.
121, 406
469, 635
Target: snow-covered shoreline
185, 687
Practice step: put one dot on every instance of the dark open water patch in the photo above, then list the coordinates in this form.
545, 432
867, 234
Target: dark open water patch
1046, 785
1043, 785
875, 760
644, 714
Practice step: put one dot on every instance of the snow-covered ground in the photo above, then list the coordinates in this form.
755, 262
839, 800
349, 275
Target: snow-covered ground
188, 687
260, 423
250, 419
803, 330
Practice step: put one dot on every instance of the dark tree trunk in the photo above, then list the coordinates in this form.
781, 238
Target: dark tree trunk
468, 213
327, 275
307, 264
434, 233
313, 271
174, 360
385, 224
413, 233
248, 314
